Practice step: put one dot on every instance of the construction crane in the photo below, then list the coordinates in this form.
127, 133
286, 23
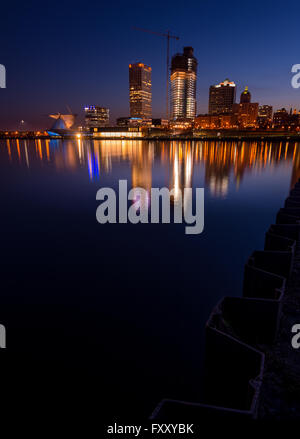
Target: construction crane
168, 36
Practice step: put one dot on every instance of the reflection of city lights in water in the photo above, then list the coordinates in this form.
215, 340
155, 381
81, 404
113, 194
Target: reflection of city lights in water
40, 149
47, 150
218, 188
26, 154
18, 149
176, 170
222, 161
79, 147
8, 149
89, 162
188, 169
93, 163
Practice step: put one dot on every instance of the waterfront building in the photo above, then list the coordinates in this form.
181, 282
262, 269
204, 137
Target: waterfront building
284, 120
63, 124
264, 118
117, 132
160, 123
96, 117
246, 112
281, 118
202, 121
215, 121
294, 120
140, 90
133, 122
183, 85
222, 97
245, 96
65, 120
226, 121
181, 124
122, 121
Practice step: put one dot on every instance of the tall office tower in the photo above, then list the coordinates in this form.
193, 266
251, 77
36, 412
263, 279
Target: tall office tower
183, 84
96, 117
140, 94
221, 97
245, 96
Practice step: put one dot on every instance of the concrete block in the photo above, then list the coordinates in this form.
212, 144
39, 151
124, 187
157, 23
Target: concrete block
262, 284
277, 262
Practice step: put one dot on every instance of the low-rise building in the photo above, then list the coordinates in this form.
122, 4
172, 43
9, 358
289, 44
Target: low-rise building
117, 132
96, 117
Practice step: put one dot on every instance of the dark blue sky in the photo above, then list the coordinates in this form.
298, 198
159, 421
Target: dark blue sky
77, 53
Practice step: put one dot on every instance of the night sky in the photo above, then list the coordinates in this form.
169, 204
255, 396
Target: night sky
77, 53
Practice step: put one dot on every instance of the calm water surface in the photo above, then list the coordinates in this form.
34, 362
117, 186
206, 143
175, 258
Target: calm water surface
116, 313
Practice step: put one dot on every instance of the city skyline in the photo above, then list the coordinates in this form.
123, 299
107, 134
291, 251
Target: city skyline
74, 61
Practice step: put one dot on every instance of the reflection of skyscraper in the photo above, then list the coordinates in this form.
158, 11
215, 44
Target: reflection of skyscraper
181, 169
141, 171
221, 97
183, 84
140, 90
217, 169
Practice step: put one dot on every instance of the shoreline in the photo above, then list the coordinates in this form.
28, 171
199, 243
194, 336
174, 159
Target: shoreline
214, 137
251, 336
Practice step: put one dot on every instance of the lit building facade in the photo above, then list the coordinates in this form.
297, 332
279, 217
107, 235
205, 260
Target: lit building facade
281, 118
117, 132
183, 85
246, 112
96, 117
216, 121
245, 96
294, 120
284, 120
140, 91
222, 97
133, 122
265, 113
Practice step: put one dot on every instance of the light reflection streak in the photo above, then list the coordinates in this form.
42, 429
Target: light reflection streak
26, 153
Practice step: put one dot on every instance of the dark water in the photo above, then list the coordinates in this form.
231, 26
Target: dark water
110, 318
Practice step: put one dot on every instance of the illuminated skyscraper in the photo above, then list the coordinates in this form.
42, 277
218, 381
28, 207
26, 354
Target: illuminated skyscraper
183, 84
221, 97
140, 94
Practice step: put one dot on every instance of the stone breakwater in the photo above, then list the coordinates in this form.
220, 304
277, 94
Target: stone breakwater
251, 370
